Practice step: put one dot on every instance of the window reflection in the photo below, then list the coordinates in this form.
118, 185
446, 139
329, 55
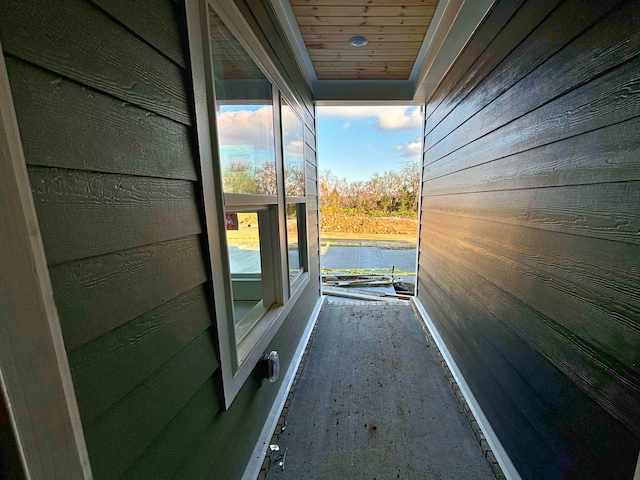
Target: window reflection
293, 152
243, 239
295, 222
245, 127
294, 179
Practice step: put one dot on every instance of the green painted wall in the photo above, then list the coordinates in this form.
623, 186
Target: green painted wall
103, 100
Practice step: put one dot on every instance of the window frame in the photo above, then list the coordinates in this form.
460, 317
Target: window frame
303, 246
235, 373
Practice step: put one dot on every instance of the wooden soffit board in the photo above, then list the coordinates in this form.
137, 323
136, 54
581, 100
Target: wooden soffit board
395, 30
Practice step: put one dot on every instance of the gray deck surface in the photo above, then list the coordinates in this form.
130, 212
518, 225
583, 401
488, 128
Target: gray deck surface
372, 403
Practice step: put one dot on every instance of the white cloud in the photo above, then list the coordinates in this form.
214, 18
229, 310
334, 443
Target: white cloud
292, 133
295, 148
410, 150
247, 127
346, 125
255, 127
386, 118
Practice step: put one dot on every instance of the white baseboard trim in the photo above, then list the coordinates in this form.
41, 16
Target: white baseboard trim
252, 470
498, 450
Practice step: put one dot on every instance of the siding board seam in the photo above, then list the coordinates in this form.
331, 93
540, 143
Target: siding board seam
548, 100
463, 76
586, 130
134, 33
463, 73
92, 88
541, 187
471, 167
477, 217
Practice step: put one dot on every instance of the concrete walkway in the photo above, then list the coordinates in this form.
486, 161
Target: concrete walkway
368, 258
372, 403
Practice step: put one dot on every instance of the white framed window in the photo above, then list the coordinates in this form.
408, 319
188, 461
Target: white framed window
256, 227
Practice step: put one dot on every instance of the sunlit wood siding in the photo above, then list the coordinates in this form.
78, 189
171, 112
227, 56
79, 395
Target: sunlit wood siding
529, 258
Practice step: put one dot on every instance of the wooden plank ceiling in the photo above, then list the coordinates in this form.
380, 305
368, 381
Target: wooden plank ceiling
395, 30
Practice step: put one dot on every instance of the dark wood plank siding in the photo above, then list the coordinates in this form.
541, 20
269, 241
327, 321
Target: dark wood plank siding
101, 93
55, 112
101, 101
77, 41
221, 452
529, 258
155, 21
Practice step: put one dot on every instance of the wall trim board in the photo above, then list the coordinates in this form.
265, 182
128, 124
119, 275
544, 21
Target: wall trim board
423, 133
492, 439
464, 24
46, 421
260, 450
287, 18
212, 197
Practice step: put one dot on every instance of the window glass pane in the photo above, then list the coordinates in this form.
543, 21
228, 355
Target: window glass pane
244, 101
295, 219
245, 257
293, 150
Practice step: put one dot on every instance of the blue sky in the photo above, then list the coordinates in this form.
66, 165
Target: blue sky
356, 142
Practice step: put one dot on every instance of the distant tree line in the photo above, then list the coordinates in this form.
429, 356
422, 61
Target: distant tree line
392, 193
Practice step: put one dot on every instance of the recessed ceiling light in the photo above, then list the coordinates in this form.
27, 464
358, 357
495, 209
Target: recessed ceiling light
358, 41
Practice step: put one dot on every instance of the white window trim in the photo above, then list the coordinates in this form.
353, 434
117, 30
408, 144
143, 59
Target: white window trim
34, 371
234, 375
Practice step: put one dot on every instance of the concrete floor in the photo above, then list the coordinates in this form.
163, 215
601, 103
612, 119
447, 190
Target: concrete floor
373, 403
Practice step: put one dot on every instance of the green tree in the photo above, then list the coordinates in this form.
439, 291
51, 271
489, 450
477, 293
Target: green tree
236, 178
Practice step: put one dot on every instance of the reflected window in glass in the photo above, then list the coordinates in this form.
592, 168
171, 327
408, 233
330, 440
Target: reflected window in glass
294, 182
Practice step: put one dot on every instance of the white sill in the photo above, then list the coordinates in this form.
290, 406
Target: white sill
254, 344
